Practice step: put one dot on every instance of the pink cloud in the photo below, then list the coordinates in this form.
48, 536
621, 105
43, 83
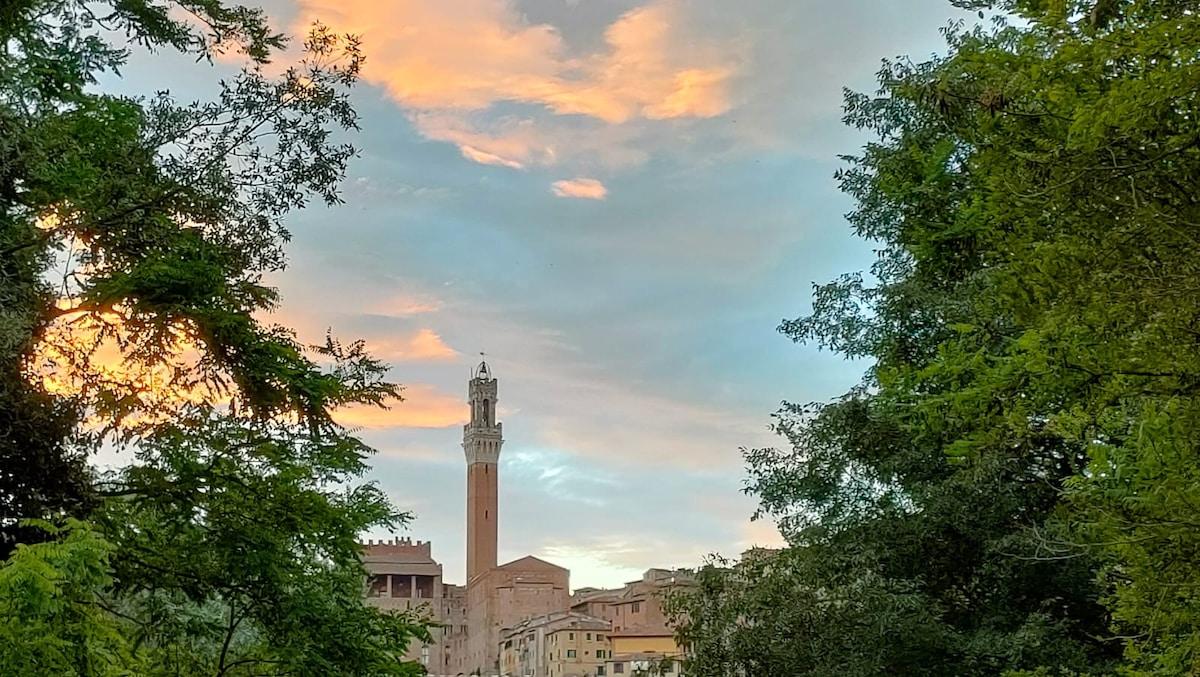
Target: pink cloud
425, 344
457, 56
423, 407
589, 189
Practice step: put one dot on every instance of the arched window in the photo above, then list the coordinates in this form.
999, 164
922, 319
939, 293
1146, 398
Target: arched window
487, 413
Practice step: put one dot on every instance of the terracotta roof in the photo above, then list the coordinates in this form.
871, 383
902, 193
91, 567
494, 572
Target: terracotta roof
530, 563
559, 620
600, 596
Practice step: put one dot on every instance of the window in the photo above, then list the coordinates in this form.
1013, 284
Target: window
599, 653
618, 668
570, 635
570, 653
637, 607
589, 637
599, 671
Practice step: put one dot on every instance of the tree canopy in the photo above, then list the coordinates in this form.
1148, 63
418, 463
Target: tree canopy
1012, 487
135, 233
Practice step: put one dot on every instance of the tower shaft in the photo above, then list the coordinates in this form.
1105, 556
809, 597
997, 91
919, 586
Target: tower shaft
482, 503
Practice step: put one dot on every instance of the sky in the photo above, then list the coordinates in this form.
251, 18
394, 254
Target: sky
618, 201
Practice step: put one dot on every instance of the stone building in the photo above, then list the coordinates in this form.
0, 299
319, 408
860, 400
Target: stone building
404, 577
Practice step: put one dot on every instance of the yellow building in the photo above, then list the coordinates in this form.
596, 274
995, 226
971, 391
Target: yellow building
642, 652
578, 650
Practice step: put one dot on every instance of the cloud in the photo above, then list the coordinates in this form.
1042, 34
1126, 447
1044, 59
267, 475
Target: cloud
589, 189
521, 142
405, 307
471, 54
594, 399
423, 407
762, 533
365, 188
460, 56
425, 344
486, 158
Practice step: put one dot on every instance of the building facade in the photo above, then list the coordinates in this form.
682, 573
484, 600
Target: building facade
405, 577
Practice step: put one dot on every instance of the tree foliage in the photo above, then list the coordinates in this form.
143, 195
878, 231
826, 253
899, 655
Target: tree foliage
1012, 486
135, 233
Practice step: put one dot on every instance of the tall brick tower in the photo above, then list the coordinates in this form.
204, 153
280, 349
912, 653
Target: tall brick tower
482, 439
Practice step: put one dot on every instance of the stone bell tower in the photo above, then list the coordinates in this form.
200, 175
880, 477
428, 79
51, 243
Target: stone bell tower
482, 439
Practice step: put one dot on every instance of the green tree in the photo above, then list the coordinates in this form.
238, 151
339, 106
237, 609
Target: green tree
50, 618
143, 227
1020, 451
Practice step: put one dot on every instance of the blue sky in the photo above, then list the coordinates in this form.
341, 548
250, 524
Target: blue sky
617, 200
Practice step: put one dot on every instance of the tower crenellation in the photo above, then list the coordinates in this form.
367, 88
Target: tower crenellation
482, 435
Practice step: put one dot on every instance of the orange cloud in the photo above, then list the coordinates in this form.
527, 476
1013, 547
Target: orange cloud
426, 344
589, 189
458, 56
423, 407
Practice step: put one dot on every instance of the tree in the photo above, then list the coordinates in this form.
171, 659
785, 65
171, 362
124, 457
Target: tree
1018, 454
140, 230
161, 219
50, 622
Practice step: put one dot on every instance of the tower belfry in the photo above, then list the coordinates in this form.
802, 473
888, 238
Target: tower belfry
482, 439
